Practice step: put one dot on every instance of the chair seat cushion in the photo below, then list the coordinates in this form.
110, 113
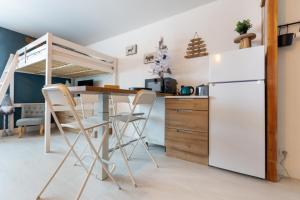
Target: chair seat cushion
29, 121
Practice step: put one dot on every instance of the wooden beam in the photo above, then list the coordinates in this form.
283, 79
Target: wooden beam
56, 68
66, 52
48, 81
263, 17
272, 88
81, 49
32, 44
115, 73
11, 117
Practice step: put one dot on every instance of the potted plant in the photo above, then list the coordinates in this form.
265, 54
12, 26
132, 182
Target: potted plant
242, 27
245, 38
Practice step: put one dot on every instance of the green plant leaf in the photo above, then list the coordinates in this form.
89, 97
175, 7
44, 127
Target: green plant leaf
243, 26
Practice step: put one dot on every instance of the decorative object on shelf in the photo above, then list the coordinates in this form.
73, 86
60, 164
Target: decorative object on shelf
161, 64
245, 38
287, 38
149, 58
6, 109
131, 50
196, 48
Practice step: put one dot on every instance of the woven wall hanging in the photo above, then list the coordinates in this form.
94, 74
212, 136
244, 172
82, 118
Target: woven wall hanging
196, 47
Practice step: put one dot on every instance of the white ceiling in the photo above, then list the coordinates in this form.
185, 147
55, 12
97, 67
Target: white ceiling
87, 21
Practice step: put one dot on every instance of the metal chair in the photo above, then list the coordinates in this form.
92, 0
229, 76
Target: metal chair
89, 109
124, 103
56, 96
89, 112
118, 144
139, 120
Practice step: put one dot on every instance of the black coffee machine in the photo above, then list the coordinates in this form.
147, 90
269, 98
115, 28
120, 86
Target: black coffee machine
165, 85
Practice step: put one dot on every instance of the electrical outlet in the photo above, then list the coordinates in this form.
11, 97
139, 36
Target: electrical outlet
284, 153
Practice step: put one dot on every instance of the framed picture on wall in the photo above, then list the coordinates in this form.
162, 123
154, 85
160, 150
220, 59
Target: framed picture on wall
149, 57
131, 50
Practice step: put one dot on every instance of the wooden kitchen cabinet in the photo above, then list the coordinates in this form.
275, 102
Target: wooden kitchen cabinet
186, 128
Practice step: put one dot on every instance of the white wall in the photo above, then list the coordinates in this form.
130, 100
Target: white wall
289, 91
214, 22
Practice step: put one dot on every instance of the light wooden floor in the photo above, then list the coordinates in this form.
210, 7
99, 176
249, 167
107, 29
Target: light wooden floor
24, 168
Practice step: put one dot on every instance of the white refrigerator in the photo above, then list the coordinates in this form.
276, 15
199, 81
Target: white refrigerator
237, 111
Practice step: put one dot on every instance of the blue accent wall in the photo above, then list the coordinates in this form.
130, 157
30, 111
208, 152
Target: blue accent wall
10, 41
27, 86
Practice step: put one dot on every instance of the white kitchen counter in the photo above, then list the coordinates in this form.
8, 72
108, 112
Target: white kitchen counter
155, 129
186, 97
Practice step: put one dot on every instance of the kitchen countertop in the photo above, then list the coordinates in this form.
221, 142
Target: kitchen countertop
186, 97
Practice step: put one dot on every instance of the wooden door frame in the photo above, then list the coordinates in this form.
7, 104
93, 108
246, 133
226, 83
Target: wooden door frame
272, 89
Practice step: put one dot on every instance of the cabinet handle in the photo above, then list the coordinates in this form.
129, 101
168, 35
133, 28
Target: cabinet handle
184, 131
184, 110
185, 99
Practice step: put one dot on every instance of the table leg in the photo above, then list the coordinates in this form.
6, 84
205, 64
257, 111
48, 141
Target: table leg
104, 114
47, 136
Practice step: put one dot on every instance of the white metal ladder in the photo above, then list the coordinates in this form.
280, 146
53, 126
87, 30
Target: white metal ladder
7, 75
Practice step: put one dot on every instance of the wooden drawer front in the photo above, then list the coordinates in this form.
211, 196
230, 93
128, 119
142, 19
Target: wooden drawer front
187, 119
188, 141
187, 156
189, 104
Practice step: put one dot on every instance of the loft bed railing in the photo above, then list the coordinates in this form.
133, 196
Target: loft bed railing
69, 59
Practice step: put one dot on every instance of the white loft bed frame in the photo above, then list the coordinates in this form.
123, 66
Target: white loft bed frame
55, 57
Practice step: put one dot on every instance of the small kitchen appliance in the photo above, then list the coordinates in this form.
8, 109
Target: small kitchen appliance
186, 90
165, 85
202, 90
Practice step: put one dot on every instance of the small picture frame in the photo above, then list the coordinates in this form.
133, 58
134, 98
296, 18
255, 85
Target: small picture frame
149, 58
131, 50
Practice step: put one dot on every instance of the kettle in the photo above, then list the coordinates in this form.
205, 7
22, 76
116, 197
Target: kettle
186, 90
202, 90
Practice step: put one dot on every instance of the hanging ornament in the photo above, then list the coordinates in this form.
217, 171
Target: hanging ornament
196, 47
161, 62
